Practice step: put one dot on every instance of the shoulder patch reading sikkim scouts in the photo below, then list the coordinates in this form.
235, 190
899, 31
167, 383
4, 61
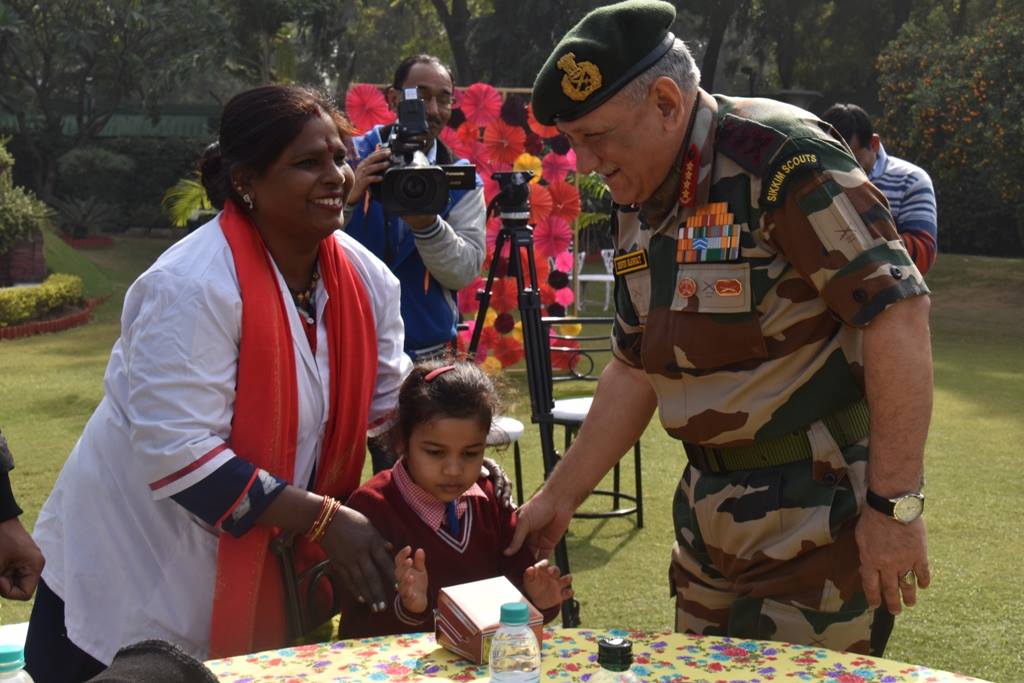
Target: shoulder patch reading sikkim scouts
580, 79
631, 262
773, 184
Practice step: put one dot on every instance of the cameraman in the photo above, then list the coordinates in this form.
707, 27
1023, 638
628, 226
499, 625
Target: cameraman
432, 256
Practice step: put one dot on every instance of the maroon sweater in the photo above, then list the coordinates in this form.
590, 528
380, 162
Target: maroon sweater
477, 554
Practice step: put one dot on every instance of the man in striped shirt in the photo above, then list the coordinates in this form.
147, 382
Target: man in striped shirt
907, 187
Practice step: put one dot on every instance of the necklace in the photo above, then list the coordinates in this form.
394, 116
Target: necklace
305, 300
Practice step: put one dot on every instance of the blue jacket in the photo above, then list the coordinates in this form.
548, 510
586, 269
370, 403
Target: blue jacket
451, 251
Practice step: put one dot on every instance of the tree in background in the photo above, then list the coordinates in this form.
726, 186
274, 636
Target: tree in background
84, 58
953, 92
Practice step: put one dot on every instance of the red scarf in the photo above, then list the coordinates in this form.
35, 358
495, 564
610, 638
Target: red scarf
248, 601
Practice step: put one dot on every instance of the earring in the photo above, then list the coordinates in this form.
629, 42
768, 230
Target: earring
248, 201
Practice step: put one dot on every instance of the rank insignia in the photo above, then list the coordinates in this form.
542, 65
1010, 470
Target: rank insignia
728, 287
631, 262
709, 236
580, 79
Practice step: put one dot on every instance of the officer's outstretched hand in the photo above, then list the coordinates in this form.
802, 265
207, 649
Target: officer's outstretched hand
542, 522
888, 549
21, 562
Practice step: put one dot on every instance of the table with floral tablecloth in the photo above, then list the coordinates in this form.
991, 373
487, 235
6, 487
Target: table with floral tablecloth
571, 655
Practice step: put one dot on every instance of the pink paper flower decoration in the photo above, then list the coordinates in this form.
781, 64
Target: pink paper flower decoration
480, 102
564, 296
551, 237
563, 262
366, 107
557, 166
504, 142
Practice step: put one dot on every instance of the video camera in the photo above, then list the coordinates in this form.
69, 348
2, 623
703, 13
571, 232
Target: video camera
412, 185
513, 199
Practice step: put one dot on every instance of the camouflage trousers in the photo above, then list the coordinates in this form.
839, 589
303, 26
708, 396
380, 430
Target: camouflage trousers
770, 554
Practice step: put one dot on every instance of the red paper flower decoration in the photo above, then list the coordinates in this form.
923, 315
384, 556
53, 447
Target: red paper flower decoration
537, 127
508, 351
552, 236
488, 338
366, 107
540, 203
480, 102
547, 294
557, 166
468, 302
493, 227
565, 200
564, 354
504, 142
456, 144
504, 294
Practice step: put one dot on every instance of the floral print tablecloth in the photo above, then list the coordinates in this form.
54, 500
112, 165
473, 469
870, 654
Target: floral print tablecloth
571, 655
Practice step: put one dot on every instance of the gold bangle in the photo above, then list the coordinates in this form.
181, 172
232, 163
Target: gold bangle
318, 521
330, 511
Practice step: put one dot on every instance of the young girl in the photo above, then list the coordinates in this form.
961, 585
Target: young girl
436, 508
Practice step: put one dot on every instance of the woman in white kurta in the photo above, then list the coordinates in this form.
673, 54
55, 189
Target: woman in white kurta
156, 487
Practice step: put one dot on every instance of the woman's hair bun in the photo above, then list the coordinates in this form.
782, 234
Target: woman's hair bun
212, 174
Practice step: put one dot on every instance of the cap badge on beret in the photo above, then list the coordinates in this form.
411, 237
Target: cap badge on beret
580, 79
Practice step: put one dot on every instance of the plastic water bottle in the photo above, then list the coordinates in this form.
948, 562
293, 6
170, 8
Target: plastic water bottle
515, 652
615, 655
12, 663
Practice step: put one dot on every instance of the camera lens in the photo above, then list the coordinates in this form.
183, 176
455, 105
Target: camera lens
413, 187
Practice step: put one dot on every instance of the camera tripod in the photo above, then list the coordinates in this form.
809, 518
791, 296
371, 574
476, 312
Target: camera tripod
513, 206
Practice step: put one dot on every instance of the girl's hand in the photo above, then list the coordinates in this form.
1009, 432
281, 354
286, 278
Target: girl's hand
361, 556
545, 586
411, 578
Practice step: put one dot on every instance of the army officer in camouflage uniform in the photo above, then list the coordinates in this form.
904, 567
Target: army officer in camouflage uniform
767, 308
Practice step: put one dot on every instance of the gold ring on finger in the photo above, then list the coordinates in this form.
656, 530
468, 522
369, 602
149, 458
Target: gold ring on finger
907, 578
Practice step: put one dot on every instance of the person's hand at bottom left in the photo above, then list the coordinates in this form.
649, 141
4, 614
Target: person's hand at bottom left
21, 562
545, 585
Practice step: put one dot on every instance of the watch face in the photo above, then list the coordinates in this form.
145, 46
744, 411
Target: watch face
908, 508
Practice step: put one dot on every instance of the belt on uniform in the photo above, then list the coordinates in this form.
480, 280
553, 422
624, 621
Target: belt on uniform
848, 425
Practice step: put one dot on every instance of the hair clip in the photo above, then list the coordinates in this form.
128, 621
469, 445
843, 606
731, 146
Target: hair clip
430, 376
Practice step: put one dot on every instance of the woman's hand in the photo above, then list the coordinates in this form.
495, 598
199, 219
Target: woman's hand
500, 481
411, 577
361, 556
369, 171
545, 586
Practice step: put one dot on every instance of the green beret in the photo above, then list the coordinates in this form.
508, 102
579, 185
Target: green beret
607, 49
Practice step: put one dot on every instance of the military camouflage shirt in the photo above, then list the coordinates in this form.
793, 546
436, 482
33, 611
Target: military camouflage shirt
744, 300
6, 461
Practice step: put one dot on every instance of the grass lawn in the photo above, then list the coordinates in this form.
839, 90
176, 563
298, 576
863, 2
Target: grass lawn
972, 618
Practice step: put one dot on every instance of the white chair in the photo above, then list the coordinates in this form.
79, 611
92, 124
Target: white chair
507, 430
607, 277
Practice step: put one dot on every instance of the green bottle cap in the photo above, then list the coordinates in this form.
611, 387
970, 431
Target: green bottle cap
615, 654
12, 658
515, 613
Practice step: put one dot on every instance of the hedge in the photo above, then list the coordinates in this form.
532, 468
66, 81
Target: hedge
18, 304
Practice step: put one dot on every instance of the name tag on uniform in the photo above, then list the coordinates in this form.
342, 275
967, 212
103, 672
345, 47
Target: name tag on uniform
631, 262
